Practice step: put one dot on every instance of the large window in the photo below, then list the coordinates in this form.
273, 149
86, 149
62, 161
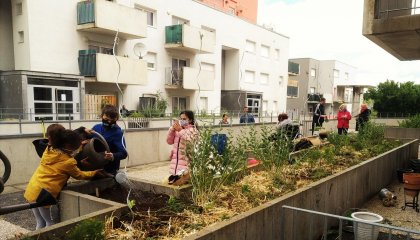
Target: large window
151, 60
253, 103
179, 104
313, 72
292, 89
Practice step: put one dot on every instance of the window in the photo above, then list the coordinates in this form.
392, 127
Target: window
264, 78
147, 103
178, 20
150, 15
203, 105
208, 28
265, 51
249, 76
253, 102
277, 56
19, 8
313, 72
179, 104
151, 60
346, 76
312, 90
250, 46
336, 73
292, 88
101, 49
21, 37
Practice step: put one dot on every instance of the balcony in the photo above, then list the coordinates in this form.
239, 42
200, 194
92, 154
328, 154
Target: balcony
314, 97
189, 78
105, 17
111, 69
293, 68
394, 25
191, 39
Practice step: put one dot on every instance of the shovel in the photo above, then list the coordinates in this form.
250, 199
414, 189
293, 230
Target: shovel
44, 199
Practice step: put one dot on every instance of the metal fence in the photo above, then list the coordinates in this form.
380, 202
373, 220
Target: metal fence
395, 8
327, 226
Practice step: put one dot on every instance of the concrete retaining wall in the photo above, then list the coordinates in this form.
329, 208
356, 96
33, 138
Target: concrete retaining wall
143, 145
334, 194
74, 208
402, 133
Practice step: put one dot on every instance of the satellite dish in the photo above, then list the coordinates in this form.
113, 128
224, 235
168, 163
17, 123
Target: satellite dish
140, 50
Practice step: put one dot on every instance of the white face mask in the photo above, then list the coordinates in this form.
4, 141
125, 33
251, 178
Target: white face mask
183, 122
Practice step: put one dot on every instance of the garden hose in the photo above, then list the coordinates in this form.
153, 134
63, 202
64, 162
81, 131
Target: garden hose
7, 169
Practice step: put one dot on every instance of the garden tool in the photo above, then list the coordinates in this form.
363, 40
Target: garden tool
44, 199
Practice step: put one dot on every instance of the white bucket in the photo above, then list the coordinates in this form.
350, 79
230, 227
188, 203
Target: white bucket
366, 231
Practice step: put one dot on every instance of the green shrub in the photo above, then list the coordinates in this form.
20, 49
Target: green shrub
412, 122
90, 229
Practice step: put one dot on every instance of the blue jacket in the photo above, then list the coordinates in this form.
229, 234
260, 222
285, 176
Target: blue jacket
115, 140
247, 118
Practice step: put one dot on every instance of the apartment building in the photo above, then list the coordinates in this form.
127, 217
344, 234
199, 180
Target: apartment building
311, 79
59, 58
394, 25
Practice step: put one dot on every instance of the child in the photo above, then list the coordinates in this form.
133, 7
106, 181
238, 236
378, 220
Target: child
41, 144
113, 136
56, 166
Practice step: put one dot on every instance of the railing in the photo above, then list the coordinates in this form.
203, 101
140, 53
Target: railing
338, 227
85, 12
174, 77
293, 68
173, 34
394, 8
394, 115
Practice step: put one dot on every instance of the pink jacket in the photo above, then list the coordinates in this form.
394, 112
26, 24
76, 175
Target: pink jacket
343, 119
179, 140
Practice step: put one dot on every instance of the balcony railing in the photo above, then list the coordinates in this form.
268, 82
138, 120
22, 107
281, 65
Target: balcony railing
190, 78
187, 38
293, 68
174, 77
394, 8
110, 68
105, 17
314, 97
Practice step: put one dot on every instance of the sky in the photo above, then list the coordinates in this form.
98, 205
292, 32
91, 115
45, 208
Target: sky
332, 30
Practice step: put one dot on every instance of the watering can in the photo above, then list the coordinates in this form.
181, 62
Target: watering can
94, 151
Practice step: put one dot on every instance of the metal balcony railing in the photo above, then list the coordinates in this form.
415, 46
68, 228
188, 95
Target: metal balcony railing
173, 34
395, 8
293, 68
174, 76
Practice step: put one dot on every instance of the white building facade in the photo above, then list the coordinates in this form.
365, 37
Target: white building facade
59, 58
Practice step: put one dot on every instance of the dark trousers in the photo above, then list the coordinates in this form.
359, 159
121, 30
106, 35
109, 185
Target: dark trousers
343, 131
316, 123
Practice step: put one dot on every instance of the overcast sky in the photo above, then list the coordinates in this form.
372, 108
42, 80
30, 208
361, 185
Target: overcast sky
332, 30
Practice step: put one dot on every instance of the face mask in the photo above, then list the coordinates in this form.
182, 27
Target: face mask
183, 122
108, 124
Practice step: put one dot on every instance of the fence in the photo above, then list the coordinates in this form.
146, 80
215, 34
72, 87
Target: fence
343, 227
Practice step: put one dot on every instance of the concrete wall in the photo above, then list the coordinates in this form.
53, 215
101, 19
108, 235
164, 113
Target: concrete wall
334, 194
402, 133
143, 146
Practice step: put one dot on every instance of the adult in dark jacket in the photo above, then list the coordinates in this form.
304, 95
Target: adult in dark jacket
363, 117
113, 136
319, 115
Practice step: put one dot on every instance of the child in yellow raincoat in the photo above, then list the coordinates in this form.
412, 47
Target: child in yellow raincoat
56, 166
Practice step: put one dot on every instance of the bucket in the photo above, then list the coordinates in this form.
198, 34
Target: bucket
365, 231
401, 171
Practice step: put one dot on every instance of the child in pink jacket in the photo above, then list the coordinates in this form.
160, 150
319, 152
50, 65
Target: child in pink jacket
180, 133
343, 119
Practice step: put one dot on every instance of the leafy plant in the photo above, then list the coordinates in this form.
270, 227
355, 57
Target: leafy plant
90, 229
174, 204
412, 122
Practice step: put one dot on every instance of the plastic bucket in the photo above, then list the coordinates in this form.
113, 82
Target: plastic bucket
363, 231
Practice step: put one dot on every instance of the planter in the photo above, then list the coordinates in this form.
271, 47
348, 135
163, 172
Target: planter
411, 184
365, 231
401, 171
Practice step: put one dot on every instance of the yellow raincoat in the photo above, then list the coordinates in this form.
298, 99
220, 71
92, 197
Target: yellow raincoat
52, 174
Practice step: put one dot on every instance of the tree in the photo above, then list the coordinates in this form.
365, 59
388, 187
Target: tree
392, 97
